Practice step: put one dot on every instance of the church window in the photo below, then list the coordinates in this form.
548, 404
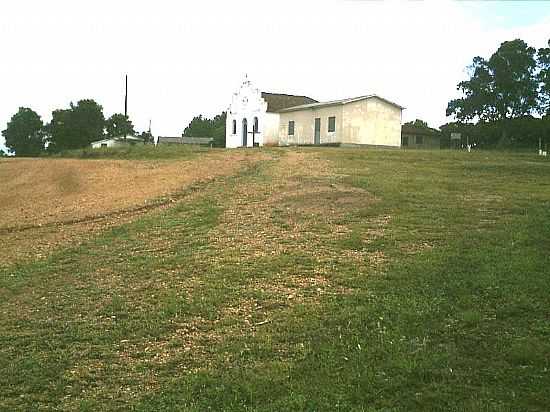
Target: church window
291, 128
332, 124
234, 127
255, 127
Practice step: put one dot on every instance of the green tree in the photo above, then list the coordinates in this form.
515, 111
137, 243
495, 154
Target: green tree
418, 123
24, 133
198, 127
204, 127
76, 127
119, 125
218, 129
543, 60
501, 88
147, 137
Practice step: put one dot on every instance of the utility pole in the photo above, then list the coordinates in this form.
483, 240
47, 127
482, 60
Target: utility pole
126, 102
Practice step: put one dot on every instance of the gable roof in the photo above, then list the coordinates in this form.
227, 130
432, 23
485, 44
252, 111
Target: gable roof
338, 102
421, 131
278, 101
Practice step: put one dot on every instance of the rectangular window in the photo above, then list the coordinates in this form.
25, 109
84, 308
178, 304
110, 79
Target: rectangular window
234, 127
405, 141
332, 124
291, 128
419, 139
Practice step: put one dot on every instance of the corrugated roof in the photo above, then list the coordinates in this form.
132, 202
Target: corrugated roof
337, 102
278, 101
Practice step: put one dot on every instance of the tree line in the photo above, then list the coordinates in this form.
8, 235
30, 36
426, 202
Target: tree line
505, 103
506, 100
72, 128
204, 127
84, 122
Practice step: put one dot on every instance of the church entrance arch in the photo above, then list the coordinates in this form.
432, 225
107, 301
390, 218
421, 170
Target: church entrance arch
245, 132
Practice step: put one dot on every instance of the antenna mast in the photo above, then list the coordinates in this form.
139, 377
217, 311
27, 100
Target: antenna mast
126, 102
126, 98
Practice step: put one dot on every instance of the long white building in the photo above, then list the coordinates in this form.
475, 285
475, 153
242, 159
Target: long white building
259, 118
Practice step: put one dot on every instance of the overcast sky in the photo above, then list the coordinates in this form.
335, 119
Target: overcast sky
185, 58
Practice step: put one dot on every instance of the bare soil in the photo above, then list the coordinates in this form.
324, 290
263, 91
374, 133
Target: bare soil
62, 200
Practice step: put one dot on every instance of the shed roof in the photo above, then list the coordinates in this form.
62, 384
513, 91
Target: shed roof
278, 101
337, 102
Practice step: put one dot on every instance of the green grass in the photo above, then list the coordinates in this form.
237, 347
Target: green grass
195, 308
135, 152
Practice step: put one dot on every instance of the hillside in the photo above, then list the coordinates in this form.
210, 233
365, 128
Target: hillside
286, 279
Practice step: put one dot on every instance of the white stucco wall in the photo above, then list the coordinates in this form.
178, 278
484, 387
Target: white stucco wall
107, 143
304, 125
372, 121
247, 103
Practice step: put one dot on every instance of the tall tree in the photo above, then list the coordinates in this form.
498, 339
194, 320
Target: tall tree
77, 126
24, 133
543, 60
204, 127
503, 87
418, 123
119, 125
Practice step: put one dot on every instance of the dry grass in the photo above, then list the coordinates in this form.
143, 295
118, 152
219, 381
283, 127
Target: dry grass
62, 201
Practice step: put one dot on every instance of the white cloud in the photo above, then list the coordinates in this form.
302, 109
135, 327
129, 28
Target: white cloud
186, 58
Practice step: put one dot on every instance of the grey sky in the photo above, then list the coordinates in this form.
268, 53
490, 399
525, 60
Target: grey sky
186, 58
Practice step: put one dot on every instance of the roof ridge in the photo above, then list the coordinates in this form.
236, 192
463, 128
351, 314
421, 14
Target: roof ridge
289, 95
340, 101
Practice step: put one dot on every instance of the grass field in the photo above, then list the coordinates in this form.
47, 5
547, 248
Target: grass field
304, 279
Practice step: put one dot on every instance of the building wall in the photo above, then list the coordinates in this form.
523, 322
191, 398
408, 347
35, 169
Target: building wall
304, 126
372, 122
108, 143
270, 129
428, 142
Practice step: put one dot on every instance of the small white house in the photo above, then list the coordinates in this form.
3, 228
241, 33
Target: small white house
116, 141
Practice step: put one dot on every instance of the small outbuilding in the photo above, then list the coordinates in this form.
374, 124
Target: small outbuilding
203, 141
414, 137
116, 141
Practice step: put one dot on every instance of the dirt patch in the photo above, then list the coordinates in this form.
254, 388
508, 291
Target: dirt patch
50, 202
41, 191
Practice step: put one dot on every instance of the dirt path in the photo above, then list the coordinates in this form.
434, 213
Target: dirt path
297, 207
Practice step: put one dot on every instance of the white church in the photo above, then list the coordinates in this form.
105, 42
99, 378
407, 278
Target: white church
256, 118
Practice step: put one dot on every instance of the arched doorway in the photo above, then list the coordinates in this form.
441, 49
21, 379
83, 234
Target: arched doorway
254, 132
245, 132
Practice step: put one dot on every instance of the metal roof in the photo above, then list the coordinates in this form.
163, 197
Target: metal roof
338, 102
279, 101
116, 139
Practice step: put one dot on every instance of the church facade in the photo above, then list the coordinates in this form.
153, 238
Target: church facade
256, 118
